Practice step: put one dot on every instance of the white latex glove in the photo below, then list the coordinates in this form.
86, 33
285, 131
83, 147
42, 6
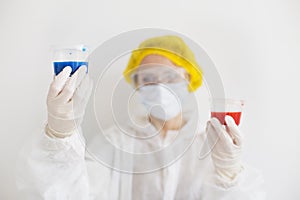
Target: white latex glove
66, 101
226, 149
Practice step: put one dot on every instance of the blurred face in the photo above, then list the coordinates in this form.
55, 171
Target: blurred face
162, 87
155, 69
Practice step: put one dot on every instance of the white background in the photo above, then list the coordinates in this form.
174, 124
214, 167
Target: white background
254, 44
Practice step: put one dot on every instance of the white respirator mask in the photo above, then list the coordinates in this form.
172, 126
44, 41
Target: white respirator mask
164, 101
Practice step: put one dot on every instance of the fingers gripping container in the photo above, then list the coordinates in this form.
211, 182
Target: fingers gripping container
73, 56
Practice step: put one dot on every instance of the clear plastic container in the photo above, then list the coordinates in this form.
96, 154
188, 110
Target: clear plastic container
73, 56
222, 107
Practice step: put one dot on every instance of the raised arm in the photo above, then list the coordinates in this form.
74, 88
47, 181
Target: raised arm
52, 164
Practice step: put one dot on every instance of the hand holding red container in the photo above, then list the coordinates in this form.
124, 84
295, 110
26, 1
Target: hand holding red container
222, 107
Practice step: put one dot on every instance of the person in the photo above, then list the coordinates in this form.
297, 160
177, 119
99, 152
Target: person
55, 164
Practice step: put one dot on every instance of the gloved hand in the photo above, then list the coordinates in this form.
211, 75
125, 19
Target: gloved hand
66, 101
226, 150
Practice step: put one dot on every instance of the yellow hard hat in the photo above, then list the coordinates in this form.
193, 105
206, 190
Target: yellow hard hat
171, 47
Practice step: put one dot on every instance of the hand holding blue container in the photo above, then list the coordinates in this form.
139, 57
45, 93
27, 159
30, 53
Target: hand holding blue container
73, 56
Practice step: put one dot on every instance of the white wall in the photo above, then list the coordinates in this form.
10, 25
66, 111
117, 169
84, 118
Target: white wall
254, 43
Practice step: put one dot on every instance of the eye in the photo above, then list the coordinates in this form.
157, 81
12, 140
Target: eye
146, 78
149, 79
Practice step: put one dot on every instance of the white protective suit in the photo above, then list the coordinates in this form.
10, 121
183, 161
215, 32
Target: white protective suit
61, 168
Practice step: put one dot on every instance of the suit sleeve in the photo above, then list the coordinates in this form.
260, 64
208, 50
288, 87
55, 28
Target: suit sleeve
53, 168
248, 186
